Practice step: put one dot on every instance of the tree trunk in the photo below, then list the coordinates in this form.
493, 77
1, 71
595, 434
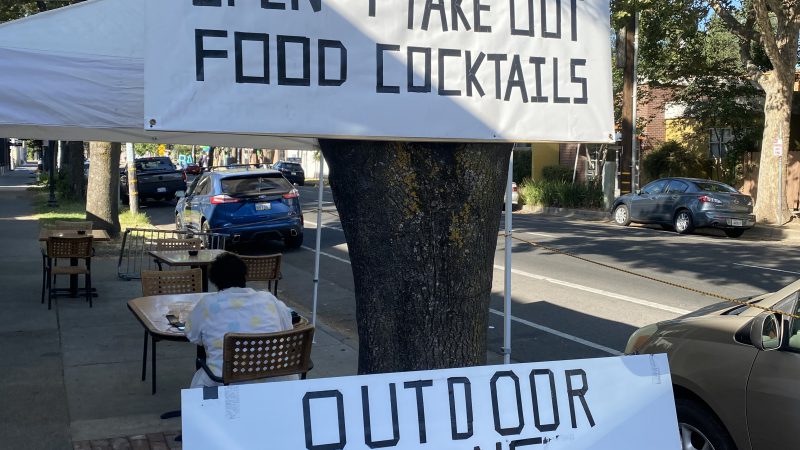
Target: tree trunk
102, 201
777, 118
421, 223
74, 169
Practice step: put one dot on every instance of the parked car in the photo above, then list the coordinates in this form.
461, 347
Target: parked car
156, 178
247, 205
293, 171
735, 372
685, 204
194, 169
514, 196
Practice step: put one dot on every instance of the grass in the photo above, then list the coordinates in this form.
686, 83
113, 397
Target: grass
76, 210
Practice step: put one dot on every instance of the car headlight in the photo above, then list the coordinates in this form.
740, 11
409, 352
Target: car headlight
639, 338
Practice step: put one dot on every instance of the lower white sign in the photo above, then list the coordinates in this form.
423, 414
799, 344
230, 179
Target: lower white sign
606, 403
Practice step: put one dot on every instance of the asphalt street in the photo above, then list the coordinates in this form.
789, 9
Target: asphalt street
564, 307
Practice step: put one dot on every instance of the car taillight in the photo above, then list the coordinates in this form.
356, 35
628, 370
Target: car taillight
292, 194
708, 199
218, 199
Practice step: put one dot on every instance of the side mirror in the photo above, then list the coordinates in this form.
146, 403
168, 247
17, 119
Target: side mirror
638, 192
765, 332
180, 194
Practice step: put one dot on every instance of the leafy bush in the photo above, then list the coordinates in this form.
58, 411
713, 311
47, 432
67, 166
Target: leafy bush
671, 159
561, 194
557, 174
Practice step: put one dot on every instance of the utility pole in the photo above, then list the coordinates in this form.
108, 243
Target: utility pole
629, 158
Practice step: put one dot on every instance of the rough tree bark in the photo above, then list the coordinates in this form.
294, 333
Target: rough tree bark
421, 223
102, 200
74, 169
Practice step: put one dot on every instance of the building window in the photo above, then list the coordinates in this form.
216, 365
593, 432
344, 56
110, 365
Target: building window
718, 142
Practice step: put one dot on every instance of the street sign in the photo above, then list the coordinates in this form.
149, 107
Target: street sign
777, 147
402, 70
620, 403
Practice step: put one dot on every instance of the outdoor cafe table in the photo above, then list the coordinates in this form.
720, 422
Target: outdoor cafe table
202, 259
97, 236
152, 314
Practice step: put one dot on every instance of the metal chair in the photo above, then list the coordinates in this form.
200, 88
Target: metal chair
254, 356
155, 282
74, 249
175, 244
264, 268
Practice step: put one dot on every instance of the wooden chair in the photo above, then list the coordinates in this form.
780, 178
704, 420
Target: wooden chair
254, 356
74, 249
264, 268
175, 244
155, 282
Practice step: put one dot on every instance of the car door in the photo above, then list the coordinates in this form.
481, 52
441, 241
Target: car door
194, 202
644, 205
773, 392
669, 200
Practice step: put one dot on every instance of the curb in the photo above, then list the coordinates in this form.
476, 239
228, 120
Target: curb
760, 232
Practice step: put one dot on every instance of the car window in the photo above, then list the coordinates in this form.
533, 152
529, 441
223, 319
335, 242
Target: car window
656, 187
711, 186
154, 164
203, 186
255, 185
293, 166
677, 187
193, 186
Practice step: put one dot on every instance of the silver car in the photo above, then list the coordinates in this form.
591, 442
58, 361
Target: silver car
684, 204
735, 372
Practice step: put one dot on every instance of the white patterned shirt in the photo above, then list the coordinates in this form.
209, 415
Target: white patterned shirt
232, 310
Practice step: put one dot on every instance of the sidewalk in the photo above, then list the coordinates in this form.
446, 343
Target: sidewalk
71, 376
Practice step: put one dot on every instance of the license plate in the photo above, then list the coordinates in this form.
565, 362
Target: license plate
161, 189
294, 173
736, 222
263, 206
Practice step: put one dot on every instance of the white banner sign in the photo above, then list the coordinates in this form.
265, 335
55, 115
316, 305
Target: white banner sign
606, 403
477, 70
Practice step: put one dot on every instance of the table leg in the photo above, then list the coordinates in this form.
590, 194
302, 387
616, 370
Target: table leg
73, 279
204, 269
153, 363
144, 356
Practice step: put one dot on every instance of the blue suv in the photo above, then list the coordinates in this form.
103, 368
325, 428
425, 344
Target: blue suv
247, 205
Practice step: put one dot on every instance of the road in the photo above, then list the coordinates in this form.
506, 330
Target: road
564, 307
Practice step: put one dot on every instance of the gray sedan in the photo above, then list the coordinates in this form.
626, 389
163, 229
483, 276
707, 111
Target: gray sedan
685, 204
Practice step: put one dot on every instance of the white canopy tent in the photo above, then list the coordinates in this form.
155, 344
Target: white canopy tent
77, 73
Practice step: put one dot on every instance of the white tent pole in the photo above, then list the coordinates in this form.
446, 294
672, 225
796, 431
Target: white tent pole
507, 268
319, 238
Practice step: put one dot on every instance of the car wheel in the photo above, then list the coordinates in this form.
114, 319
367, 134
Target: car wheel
293, 241
206, 230
699, 428
621, 215
683, 222
734, 233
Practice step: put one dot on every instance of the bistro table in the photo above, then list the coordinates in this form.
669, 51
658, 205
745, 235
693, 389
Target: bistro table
152, 314
202, 259
97, 236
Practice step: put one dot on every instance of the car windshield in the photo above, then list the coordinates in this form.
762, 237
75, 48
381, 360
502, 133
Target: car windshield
154, 164
255, 185
709, 186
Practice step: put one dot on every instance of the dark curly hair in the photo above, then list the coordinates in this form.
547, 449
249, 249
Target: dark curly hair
227, 271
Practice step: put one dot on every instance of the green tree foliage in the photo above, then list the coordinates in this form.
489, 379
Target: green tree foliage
671, 159
16, 9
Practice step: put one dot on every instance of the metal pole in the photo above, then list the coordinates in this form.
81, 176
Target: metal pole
507, 267
575, 169
51, 155
318, 243
133, 187
634, 149
780, 178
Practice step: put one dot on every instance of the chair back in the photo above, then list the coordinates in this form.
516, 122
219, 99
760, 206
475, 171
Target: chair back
252, 356
262, 268
156, 282
177, 244
69, 247
80, 225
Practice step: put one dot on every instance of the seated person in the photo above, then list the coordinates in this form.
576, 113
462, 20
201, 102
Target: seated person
235, 308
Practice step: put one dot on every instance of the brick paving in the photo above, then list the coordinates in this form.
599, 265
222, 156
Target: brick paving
154, 441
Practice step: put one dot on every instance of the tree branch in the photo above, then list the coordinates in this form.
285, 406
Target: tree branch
768, 36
